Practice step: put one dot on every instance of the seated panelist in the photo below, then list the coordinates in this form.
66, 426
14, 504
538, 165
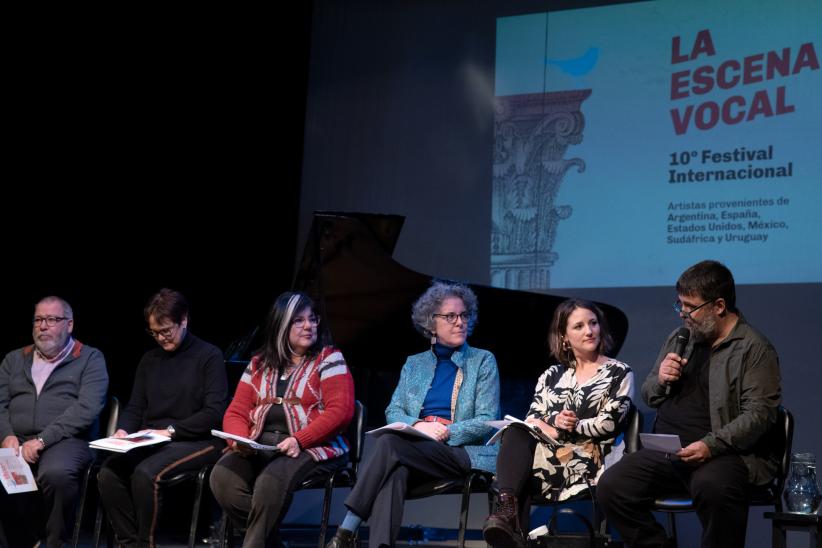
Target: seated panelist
179, 392
447, 392
582, 403
296, 394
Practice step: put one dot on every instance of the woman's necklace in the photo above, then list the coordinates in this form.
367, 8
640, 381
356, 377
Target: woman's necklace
291, 368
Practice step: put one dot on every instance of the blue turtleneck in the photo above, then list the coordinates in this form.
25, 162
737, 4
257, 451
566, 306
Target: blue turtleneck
438, 400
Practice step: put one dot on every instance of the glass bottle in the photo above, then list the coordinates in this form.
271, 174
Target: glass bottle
801, 491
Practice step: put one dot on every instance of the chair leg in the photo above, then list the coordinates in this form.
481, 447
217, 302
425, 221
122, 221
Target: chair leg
195, 512
329, 492
672, 526
466, 500
98, 526
226, 533
81, 505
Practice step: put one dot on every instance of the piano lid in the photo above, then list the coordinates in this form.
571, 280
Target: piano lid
365, 299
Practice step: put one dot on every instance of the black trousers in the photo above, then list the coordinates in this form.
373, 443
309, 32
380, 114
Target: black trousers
130, 490
515, 470
256, 491
57, 473
397, 463
719, 489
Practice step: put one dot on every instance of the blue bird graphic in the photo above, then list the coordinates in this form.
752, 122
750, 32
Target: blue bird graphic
577, 66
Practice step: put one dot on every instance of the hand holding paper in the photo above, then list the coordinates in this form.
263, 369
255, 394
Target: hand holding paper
696, 452
15, 473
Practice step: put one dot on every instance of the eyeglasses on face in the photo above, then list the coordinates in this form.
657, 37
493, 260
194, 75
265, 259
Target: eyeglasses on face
165, 333
51, 321
681, 308
451, 317
300, 322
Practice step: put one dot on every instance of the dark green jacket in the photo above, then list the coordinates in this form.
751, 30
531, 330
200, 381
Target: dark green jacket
745, 392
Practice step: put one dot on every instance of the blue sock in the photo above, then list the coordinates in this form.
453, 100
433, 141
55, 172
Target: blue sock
351, 522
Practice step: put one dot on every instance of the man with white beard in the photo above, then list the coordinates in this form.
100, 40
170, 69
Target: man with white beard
51, 394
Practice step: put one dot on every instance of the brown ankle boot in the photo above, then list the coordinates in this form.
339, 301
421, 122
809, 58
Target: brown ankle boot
343, 538
502, 529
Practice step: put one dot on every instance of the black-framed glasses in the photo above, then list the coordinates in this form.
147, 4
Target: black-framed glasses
165, 333
300, 322
51, 321
680, 308
451, 317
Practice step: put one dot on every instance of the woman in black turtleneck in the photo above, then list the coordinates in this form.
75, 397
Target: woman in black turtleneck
446, 392
180, 392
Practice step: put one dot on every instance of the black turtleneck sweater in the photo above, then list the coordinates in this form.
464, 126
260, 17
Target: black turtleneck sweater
186, 388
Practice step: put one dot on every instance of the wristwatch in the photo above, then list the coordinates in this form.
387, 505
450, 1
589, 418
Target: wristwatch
42, 441
171, 430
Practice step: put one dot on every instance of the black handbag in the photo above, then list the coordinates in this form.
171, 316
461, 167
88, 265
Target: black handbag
590, 539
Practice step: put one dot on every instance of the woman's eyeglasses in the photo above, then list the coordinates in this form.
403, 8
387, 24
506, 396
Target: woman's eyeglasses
300, 322
165, 333
451, 317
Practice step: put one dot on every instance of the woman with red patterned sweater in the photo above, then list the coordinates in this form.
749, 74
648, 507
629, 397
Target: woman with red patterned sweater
296, 394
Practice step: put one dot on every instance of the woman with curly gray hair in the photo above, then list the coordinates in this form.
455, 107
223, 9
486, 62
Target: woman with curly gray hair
446, 393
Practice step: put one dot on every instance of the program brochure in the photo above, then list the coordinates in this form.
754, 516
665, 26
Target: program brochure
402, 428
142, 438
245, 441
510, 421
15, 473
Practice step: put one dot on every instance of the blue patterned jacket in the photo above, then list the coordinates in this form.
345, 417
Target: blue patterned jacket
477, 399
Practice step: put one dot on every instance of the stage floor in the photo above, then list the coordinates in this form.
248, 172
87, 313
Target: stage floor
306, 537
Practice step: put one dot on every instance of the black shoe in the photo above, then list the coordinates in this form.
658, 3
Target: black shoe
502, 529
343, 538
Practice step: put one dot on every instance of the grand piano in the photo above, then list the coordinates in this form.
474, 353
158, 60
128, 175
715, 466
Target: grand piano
365, 299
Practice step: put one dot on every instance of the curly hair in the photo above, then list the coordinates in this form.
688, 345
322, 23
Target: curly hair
429, 303
559, 325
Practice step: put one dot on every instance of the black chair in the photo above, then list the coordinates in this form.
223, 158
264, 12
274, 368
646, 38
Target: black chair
200, 477
342, 477
477, 481
111, 413
781, 435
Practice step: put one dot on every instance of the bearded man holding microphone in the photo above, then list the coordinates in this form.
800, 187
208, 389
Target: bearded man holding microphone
716, 385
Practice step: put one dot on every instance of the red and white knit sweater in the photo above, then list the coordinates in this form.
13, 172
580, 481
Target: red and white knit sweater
325, 390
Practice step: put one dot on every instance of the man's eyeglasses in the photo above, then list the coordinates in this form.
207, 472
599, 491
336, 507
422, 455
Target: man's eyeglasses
451, 317
165, 333
680, 308
300, 322
51, 321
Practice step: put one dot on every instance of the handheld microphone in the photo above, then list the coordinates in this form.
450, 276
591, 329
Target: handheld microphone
683, 335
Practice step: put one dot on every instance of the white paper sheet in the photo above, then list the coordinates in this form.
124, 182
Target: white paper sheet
667, 443
15, 473
399, 427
